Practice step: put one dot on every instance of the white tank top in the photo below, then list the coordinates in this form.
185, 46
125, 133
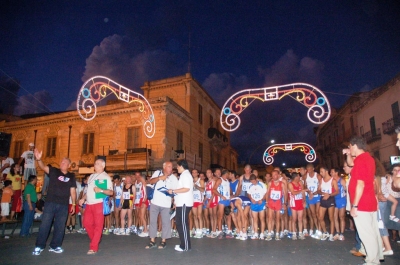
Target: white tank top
118, 192
224, 188
197, 195
139, 191
326, 187
312, 183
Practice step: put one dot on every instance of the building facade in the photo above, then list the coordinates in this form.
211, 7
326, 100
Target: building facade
187, 126
373, 115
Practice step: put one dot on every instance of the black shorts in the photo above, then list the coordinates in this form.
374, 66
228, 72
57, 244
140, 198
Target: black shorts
330, 202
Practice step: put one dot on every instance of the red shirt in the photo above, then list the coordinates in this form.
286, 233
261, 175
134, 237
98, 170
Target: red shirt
364, 169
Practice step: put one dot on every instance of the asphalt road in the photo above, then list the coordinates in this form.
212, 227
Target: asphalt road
130, 250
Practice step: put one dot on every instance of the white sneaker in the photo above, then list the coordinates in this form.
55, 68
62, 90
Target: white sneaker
178, 248
294, 237
325, 236
262, 236
341, 237
305, 232
244, 237
331, 238
143, 234
388, 253
127, 231
301, 236
268, 237
281, 235
311, 234
254, 236
286, 232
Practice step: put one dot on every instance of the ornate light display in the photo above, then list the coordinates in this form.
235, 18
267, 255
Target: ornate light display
98, 88
303, 147
311, 97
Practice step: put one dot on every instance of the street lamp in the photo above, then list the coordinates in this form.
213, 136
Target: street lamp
283, 164
272, 141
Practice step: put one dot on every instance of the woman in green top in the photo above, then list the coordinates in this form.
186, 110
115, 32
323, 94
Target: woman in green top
29, 206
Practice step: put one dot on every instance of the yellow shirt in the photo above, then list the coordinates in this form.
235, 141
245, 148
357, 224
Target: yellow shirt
16, 181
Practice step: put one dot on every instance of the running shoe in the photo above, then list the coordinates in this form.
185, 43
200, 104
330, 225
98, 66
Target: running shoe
254, 236
311, 234
281, 235
239, 236
301, 236
244, 237
331, 238
289, 235
214, 235
143, 234
221, 235
277, 237
127, 231
134, 230
286, 232
341, 237
272, 233
72, 231
325, 236
57, 250
336, 236
262, 236
268, 237
121, 232
106, 232
37, 251
305, 232
229, 235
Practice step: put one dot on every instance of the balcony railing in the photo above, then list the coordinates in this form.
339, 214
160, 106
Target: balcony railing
390, 125
217, 138
372, 137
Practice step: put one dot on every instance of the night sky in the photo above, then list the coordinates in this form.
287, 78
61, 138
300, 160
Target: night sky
342, 47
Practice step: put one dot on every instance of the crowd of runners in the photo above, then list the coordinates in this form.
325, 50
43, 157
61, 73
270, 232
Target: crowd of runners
249, 206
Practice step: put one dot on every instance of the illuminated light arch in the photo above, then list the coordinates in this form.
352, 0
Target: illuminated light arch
319, 109
98, 88
303, 147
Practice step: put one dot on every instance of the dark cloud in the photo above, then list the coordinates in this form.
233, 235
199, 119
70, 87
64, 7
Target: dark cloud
289, 68
8, 94
117, 58
36, 103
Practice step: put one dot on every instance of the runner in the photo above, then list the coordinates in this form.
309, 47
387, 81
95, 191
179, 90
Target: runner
141, 205
303, 177
312, 184
244, 183
237, 206
128, 195
276, 191
117, 202
222, 190
257, 192
328, 189
197, 209
297, 204
340, 205
212, 203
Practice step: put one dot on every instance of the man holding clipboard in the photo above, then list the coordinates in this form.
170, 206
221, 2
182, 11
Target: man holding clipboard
99, 187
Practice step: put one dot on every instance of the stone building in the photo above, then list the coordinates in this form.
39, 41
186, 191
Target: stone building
373, 115
187, 126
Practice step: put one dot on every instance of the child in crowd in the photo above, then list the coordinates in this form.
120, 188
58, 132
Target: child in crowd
6, 200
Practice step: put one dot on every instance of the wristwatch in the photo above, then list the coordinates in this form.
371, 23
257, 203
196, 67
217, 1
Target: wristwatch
101, 191
355, 206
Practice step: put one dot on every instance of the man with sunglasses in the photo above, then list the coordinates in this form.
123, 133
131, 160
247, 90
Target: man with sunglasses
62, 185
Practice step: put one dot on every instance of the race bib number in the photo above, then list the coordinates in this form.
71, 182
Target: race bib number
125, 195
196, 196
312, 188
256, 196
275, 194
343, 193
298, 196
208, 194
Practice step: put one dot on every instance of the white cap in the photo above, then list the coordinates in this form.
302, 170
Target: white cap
31, 144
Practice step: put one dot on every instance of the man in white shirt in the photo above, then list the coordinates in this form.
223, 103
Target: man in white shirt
29, 167
161, 204
99, 186
183, 203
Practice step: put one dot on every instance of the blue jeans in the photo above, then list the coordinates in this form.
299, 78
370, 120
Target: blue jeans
27, 219
358, 241
58, 213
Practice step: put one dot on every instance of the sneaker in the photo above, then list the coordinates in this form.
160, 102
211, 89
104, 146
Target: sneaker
324, 236
388, 253
37, 251
336, 236
277, 237
106, 232
294, 237
121, 232
56, 250
72, 231
143, 234
239, 236
262, 236
134, 230
268, 237
244, 237
272, 233
305, 232
127, 231
214, 235
331, 238
341, 237
286, 232
229, 235
281, 235
301, 236
178, 248
311, 234
254, 236
221, 235
289, 235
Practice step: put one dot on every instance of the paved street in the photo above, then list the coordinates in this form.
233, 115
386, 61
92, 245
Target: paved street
130, 250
